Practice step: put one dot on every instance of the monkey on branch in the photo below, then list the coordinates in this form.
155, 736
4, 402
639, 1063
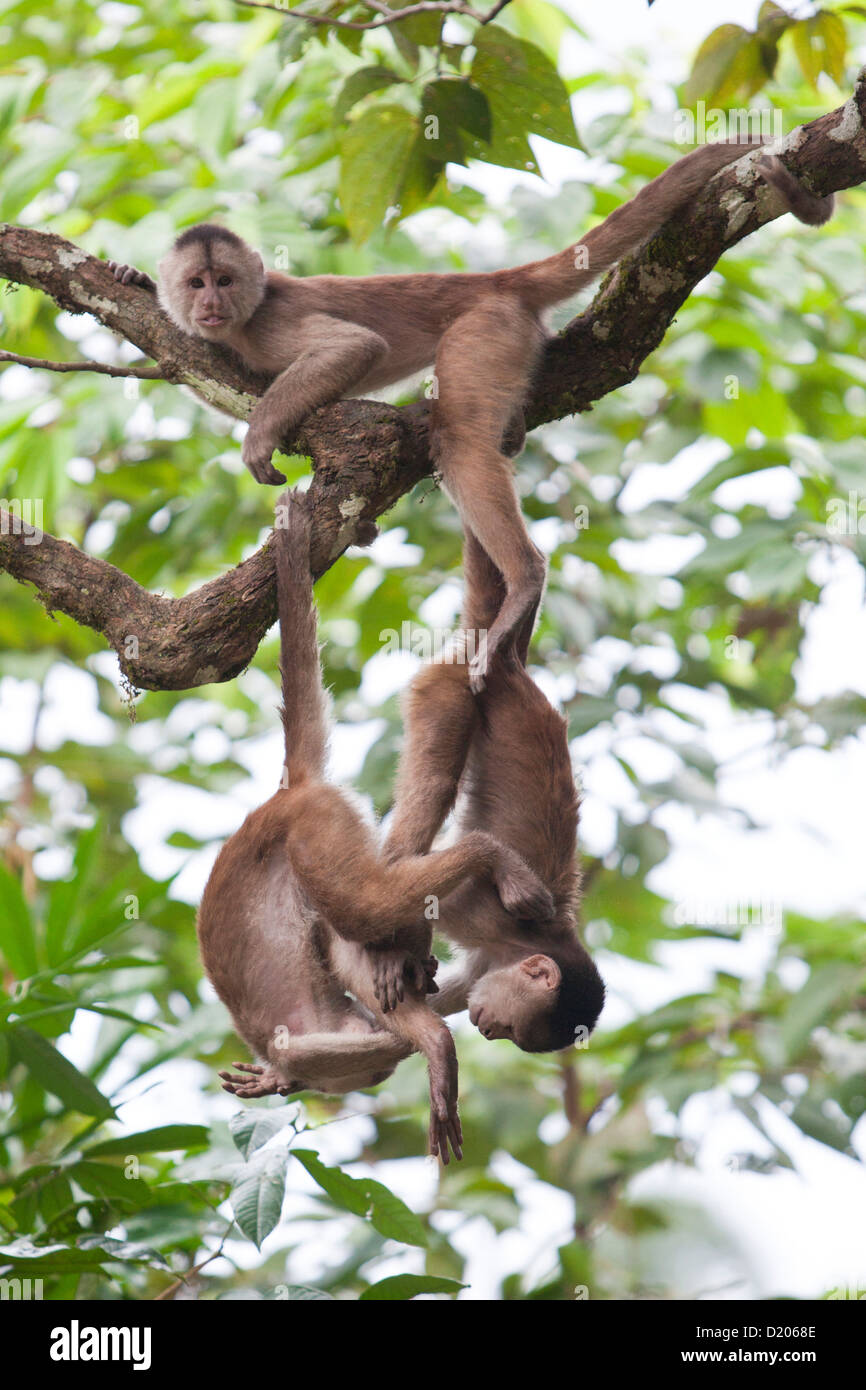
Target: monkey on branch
326, 337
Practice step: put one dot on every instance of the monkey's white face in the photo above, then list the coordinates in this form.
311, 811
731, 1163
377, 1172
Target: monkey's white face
513, 1002
211, 291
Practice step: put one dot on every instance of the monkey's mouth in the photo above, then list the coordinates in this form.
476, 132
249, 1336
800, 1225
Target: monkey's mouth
212, 321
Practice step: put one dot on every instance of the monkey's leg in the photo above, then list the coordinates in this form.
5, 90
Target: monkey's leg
485, 594
331, 356
483, 369
439, 717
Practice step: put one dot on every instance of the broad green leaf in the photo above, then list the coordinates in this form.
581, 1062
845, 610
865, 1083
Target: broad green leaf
365, 1197
109, 1180
526, 96
55, 1073
302, 1293
821, 44
359, 85
163, 1139
257, 1194
811, 1006
17, 934
403, 1286
251, 1128
374, 152
730, 63
66, 894
449, 106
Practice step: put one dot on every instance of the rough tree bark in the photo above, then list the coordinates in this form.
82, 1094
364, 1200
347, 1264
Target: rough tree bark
366, 454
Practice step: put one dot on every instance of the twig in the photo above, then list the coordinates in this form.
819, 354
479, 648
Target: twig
173, 1288
387, 15
143, 373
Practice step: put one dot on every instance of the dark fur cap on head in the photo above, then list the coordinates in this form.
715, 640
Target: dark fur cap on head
206, 233
579, 1001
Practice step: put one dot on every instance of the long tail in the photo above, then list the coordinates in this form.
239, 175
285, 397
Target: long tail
558, 277
305, 704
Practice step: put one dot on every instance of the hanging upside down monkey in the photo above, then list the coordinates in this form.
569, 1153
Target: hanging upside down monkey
506, 751
327, 336
299, 891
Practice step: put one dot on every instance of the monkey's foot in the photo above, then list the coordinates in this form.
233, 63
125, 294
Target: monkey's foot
261, 1081
128, 275
393, 968
523, 894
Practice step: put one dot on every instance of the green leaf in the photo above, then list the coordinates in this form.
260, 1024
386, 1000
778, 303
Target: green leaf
448, 106
55, 1073
821, 44
297, 1293
251, 1128
66, 894
403, 1286
365, 1197
814, 1003
163, 1139
526, 96
25, 1255
108, 1180
730, 63
17, 934
257, 1194
374, 153
359, 85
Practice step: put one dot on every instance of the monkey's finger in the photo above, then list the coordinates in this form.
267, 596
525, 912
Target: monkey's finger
455, 1134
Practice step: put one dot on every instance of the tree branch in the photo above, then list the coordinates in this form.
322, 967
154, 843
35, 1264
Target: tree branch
367, 454
387, 15
103, 368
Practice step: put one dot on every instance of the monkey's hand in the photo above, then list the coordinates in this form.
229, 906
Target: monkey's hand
522, 892
445, 1127
393, 968
258, 446
261, 1081
128, 275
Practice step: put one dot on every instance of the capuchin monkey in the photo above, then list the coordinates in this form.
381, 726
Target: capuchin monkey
302, 888
507, 752
327, 337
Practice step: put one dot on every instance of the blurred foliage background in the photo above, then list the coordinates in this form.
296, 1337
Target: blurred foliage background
122, 123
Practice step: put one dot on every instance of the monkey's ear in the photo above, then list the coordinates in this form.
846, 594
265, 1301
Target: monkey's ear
542, 970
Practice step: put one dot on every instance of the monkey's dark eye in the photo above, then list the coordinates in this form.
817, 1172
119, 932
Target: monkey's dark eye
196, 283
224, 280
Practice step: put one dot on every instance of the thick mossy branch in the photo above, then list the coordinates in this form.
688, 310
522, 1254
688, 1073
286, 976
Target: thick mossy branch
365, 454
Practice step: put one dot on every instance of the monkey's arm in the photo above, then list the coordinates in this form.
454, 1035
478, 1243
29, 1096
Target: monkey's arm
330, 357
367, 900
426, 1032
